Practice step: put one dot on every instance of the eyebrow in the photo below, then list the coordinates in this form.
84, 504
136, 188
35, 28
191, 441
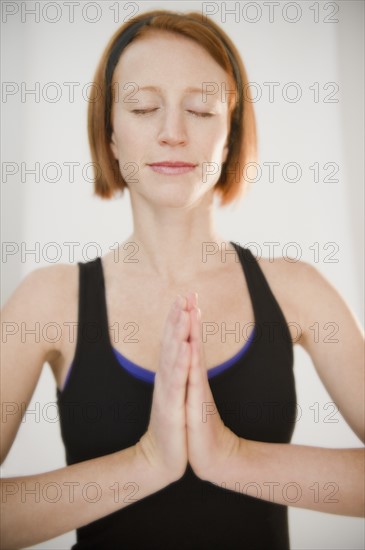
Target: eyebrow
189, 90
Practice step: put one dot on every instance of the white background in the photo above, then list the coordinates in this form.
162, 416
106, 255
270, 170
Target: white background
305, 212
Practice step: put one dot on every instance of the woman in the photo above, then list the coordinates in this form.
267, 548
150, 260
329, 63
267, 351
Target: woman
160, 446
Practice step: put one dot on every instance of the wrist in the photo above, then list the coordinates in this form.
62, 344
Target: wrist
145, 462
233, 462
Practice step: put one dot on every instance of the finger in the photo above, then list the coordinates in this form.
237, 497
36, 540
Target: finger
173, 386
198, 388
195, 394
176, 332
192, 300
172, 318
180, 334
196, 367
198, 362
195, 325
181, 371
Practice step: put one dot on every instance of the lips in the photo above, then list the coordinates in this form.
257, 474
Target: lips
173, 164
172, 167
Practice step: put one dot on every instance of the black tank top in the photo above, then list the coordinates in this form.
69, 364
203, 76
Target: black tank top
105, 407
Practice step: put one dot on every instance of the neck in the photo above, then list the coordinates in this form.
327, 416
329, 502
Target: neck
176, 243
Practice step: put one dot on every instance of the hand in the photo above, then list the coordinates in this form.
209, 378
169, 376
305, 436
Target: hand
164, 445
210, 442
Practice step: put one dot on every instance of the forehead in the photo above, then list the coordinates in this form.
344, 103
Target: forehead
167, 58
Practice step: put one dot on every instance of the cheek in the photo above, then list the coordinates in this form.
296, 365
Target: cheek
130, 141
215, 137
215, 146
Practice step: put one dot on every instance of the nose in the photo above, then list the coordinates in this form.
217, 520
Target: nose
173, 129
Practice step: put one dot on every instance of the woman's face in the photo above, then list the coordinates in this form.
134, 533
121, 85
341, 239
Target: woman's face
169, 123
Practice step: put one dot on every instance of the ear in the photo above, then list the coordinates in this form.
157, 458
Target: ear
113, 146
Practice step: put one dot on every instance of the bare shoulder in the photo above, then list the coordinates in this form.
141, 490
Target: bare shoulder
44, 295
295, 284
313, 299
286, 274
282, 273
52, 284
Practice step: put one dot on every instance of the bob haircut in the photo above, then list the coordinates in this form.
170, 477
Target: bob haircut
242, 143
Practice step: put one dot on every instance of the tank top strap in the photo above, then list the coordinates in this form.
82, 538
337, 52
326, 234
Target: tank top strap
268, 313
92, 323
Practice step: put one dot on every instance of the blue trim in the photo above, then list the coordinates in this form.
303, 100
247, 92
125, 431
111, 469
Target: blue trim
68, 376
148, 376
224, 366
134, 369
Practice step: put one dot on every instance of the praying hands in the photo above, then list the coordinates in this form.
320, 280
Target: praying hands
178, 432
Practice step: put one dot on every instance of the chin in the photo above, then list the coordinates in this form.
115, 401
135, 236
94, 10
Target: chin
173, 196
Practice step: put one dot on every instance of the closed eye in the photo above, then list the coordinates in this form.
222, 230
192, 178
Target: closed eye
143, 111
195, 113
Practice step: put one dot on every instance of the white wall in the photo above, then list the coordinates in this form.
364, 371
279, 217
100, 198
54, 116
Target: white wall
306, 212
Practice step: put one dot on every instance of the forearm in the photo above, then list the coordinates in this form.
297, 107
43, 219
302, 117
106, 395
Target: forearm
40, 507
316, 478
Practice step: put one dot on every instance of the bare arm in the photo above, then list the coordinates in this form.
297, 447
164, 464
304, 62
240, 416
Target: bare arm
326, 480
39, 507
316, 478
